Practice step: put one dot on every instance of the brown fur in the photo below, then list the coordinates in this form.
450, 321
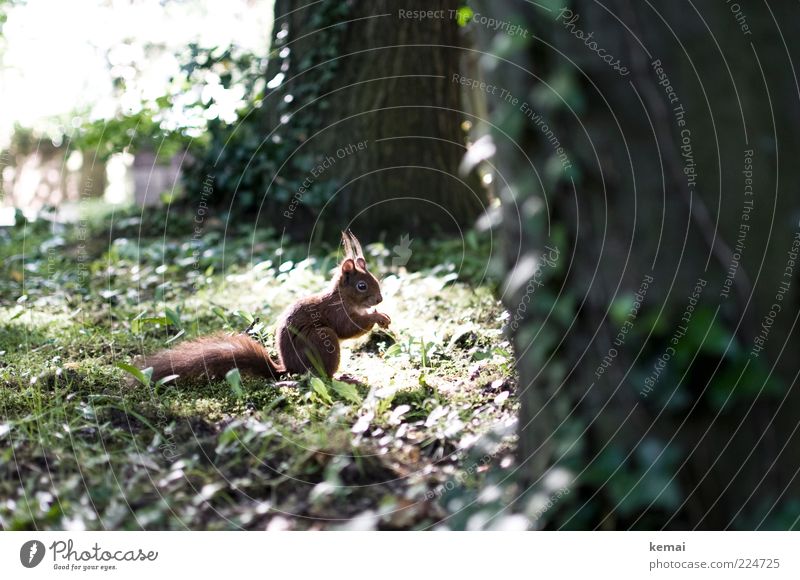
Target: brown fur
307, 336
213, 356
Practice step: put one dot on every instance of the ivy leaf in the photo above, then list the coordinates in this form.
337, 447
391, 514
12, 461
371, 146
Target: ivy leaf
234, 379
139, 323
464, 15
173, 317
319, 388
143, 376
346, 391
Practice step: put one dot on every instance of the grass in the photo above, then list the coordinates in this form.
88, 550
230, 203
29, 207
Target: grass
84, 447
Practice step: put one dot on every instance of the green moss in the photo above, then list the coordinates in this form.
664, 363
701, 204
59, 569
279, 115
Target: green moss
98, 450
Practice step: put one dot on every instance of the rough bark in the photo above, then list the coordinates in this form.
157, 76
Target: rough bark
393, 93
634, 213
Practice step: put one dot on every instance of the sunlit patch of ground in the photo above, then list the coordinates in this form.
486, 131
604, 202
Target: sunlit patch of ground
83, 447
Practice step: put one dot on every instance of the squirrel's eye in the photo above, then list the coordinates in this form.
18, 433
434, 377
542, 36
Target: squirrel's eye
361, 286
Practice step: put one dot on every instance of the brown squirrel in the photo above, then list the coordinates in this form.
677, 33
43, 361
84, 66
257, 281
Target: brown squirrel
307, 336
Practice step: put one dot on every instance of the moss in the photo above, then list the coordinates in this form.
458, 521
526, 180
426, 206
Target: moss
97, 448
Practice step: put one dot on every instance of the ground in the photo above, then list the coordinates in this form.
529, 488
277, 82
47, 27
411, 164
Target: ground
83, 444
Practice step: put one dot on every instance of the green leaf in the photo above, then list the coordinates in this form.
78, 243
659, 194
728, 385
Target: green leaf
176, 337
246, 316
138, 324
464, 15
220, 312
346, 391
173, 317
743, 380
711, 333
319, 388
135, 324
166, 379
143, 376
234, 379
481, 354
621, 308
394, 350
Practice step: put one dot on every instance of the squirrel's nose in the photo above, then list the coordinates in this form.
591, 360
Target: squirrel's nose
379, 299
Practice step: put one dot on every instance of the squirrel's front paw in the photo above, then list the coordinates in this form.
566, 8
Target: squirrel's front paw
382, 320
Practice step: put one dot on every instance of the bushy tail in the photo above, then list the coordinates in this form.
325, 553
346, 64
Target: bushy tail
213, 356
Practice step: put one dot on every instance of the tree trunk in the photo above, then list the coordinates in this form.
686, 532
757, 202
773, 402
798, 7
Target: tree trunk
662, 406
393, 133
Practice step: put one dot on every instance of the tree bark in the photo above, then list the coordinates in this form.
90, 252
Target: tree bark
391, 128
655, 191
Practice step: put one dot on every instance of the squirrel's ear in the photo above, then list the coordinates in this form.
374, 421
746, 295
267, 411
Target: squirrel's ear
361, 264
348, 265
348, 245
356, 245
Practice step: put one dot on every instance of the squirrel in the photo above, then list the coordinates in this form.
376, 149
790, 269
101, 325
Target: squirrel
308, 331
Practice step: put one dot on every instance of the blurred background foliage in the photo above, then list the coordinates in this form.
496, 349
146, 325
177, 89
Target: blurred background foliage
259, 120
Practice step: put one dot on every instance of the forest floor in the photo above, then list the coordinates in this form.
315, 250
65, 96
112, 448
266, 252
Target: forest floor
421, 443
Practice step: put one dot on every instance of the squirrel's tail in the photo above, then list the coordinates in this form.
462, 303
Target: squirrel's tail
213, 356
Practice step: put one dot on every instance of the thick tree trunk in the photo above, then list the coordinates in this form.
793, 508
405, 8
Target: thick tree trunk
666, 406
393, 134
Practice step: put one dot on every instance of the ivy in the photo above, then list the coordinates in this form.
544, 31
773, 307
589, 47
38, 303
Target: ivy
252, 160
256, 156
